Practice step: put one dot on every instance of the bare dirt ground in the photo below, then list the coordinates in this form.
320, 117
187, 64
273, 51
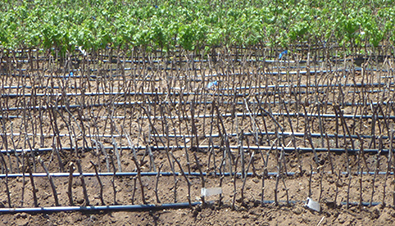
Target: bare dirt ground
239, 205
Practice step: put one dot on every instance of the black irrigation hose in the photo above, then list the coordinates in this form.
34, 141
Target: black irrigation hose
296, 134
316, 135
273, 133
195, 78
153, 174
189, 102
276, 114
74, 57
360, 85
342, 203
267, 148
262, 46
215, 75
99, 208
13, 95
139, 207
242, 115
95, 70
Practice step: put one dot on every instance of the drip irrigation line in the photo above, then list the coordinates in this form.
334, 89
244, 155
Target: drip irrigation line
96, 70
275, 114
90, 76
18, 87
372, 91
61, 135
159, 62
231, 115
13, 95
88, 106
357, 68
342, 203
37, 87
359, 85
363, 203
140, 207
96, 94
195, 79
296, 134
300, 47
114, 61
189, 102
278, 73
84, 118
214, 75
305, 86
273, 73
270, 93
192, 174
11, 116
127, 174
236, 147
99, 208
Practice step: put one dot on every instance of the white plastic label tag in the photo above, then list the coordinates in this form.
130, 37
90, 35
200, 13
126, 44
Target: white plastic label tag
211, 191
313, 205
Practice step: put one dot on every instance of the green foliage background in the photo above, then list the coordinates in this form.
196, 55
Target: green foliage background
97, 24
